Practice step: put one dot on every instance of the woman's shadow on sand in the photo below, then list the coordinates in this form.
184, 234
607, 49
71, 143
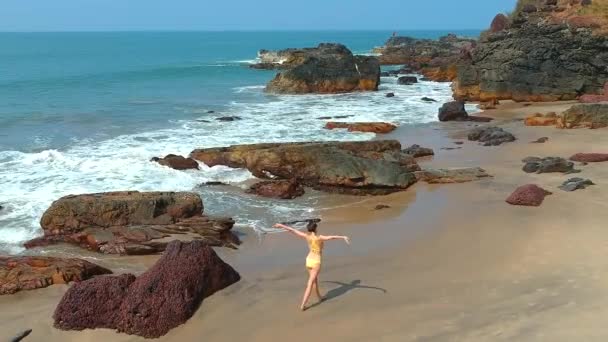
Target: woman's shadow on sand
345, 288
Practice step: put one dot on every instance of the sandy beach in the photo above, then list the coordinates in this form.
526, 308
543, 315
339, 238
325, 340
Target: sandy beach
444, 263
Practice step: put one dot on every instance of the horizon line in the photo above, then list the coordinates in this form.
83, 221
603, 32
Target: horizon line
243, 30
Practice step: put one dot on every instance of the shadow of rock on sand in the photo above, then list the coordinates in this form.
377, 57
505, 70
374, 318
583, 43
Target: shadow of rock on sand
343, 289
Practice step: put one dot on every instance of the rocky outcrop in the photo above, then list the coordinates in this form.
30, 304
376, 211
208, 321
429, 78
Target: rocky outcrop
283, 189
595, 98
328, 68
33, 272
360, 168
528, 195
177, 162
368, 127
455, 111
547, 55
590, 157
490, 136
131, 222
160, 299
574, 184
585, 115
449, 176
418, 151
547, 165
538, 119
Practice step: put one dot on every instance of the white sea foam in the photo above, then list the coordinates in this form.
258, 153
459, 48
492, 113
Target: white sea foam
31, 181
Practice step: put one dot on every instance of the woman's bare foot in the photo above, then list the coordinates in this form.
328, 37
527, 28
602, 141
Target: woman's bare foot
303, 308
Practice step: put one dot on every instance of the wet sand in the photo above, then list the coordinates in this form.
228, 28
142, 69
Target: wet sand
444, 263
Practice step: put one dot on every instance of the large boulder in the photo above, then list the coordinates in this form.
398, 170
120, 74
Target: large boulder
499, 23
283, 189
490, 136
34, 272
453, 111
328, 68
177, 162
131, 222
368, 127
528, 195
360, 168
593, 115
541, 56
160, 299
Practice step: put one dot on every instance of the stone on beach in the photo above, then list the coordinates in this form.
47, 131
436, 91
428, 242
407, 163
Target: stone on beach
491, 136
585, 115
360, 167
547, 165
590, 157
528, 195
418, 151
19, 273
541, 140
131, 222
177, 162
368, 127
538, 119
453, 111
283, 189
162, 298
448, 176
574, 184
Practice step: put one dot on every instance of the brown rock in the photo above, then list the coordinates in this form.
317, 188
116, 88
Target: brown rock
528, 195
162, 298
177, 162
500, 23
418, 151
29, 272
541, 120
368, 127
382, 207
284, 189
590, 157
540, 140
448, 176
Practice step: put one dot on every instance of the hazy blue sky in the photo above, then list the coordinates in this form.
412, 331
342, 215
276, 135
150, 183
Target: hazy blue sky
104, 15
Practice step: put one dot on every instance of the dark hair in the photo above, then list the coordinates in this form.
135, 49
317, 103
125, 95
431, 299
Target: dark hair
311, 227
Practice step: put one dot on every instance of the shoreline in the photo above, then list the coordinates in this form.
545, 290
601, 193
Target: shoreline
450, 271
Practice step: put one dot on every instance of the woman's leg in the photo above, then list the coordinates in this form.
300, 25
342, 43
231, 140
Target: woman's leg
312, 275
316, 286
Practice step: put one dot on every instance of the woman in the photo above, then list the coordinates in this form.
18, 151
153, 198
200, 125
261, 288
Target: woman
313, 260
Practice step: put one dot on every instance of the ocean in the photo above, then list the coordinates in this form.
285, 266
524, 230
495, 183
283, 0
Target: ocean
85, 112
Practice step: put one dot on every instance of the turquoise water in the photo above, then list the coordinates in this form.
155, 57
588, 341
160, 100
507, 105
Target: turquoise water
84, 112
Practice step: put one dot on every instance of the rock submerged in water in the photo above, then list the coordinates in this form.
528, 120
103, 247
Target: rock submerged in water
428, 99
177, 162
548, 165
418, 151
326, 69
131, 222
585, 115
360, 168
528, 195
407, 80
150, 305
20, 273
491, 136
574, 184
590, 157
283, 189
367, 127
390, 94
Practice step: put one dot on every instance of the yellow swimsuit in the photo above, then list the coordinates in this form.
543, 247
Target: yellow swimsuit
315, 244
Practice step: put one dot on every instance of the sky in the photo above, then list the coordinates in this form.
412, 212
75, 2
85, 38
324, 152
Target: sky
138, 15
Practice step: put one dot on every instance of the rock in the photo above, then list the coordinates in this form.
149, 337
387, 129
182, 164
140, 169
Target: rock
382, 207
369, 127
547, 165
390, 94
500, 23
228, 118
551, 2
574, 184
1, 207
529, 8
131, 222
213, 183
584, 115
459, 142
490, 136
328, 68
30, 272
283, 189
595, 98
451, 148
21, 335
177, 162
540, 140
590, 157
453, 111
385, 74
528, 195
539, 119
428, 99
407, 80
162, 298
363, 167
447, 176
417, 151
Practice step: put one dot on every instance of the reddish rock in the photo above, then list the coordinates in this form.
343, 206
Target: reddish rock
177, 162
590, 157
284, 189
539, 119
30, 272
528, 195
368, 127
594, 98
500, 22
162, 298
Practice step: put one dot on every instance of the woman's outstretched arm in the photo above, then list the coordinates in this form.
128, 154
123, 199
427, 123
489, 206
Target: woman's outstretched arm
335, 237
291, 230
